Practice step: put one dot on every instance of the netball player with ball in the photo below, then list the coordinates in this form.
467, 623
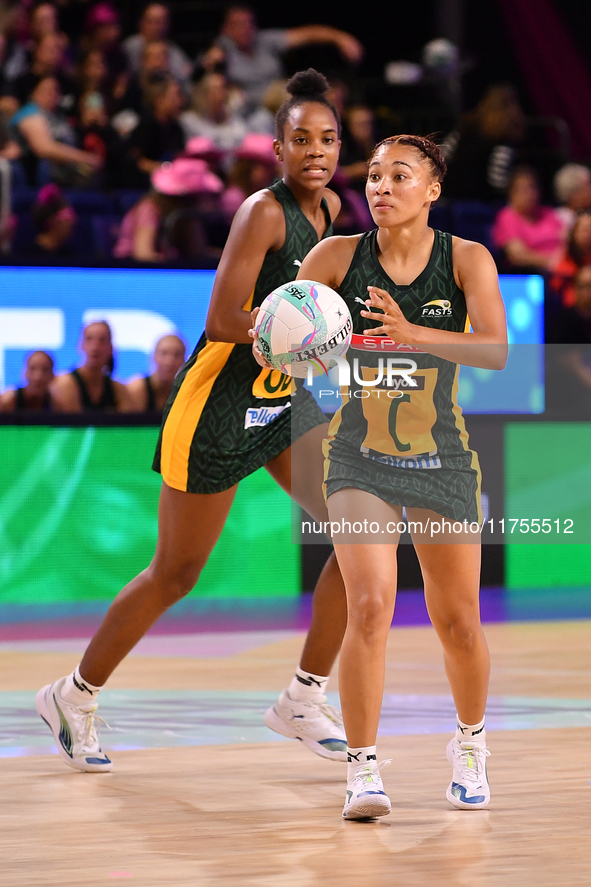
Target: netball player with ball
225, 419
392, 446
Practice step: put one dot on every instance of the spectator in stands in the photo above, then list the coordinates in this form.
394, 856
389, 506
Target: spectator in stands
481, 154
572, 325
576, 255
132, 94
154, 26
263, 119
91, 75
96, 135
357, 142
159, 136
253, 57
34, 395
13, 57
102, 31
530, 235
43, 20
572, 186
44, 135
47, 61
54, 220
211, 116
163, 225
150, 393
8, 102
568, 369
255, 167
89, 387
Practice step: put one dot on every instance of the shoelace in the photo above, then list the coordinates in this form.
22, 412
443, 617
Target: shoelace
466, 751
89, 729
370, 769
332, 713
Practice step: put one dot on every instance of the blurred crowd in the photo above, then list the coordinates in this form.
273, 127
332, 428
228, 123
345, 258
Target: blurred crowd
176, 143
90, 387
122, 147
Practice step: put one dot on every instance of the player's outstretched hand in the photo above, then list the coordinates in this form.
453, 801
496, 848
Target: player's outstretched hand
394, 324
257, 353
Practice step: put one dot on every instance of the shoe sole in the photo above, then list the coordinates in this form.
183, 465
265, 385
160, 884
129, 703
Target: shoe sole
272, 720
369, 808
45, 715
462, 805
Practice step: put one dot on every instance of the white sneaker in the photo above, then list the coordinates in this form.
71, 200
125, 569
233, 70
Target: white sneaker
318, 725
73, 728
469, 788
366, 798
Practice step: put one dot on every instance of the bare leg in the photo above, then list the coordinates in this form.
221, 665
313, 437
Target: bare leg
451, 575
299, 471
189, 525
370, 572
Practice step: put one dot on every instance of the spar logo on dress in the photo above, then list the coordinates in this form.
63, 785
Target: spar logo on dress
257, 417
437, 308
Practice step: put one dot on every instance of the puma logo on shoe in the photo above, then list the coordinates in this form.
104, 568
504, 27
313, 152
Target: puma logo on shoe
352, 757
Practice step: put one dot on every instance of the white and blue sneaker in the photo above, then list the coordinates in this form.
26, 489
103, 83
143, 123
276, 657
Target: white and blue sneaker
74, 730
366, 798
469, 788
318, 725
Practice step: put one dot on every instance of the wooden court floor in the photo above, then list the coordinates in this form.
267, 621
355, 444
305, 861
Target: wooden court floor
268, 813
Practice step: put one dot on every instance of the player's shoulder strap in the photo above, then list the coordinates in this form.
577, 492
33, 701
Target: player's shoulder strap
150, 394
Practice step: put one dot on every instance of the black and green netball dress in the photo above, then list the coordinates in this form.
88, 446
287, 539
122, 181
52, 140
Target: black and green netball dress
402, 437
227, 416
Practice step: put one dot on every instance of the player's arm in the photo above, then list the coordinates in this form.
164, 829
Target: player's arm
122, 399
348, 45
7, 402
64, 391
329, 261
486, 346
136, 393
257, 228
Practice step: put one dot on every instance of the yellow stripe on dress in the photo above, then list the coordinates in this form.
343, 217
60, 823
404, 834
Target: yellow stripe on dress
185, 413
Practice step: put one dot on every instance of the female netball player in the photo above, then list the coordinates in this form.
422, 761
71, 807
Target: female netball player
392, 446
225, 419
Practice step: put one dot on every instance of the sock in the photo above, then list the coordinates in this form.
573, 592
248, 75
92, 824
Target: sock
307, 687
78, 691
357, 757
466, 732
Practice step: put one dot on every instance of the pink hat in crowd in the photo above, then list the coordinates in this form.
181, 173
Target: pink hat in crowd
186, 176
257, 146
101, 14
204, 148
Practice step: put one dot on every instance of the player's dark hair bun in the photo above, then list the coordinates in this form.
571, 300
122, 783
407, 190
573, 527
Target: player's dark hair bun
307, 85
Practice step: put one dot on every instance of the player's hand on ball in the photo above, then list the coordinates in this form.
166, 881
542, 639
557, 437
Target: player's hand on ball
394, 324
257, 353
